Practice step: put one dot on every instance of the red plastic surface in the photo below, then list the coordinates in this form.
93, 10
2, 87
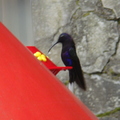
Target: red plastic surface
29, 91
49, 64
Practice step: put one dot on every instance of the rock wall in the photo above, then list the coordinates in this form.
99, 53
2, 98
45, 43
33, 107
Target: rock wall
95, 27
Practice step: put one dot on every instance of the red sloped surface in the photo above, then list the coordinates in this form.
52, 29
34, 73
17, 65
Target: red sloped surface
29, 91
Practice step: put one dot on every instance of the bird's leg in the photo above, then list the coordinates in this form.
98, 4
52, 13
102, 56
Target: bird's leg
71, 87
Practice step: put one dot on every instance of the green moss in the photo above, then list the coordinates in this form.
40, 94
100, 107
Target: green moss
111, 71
86, 14
109, 113
113, 74
77, 2
66, 83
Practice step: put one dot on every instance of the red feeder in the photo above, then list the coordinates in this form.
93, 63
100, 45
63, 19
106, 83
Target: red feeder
29, 91
49, 64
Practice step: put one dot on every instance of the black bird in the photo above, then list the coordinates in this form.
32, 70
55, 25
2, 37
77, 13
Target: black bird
70, 58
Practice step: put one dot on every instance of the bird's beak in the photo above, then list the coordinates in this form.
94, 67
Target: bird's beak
52, 46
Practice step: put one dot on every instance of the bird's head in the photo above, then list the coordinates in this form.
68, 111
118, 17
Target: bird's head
64, 38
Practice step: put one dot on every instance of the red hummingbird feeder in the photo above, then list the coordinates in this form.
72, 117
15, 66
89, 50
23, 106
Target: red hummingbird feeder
48, 63
29, 91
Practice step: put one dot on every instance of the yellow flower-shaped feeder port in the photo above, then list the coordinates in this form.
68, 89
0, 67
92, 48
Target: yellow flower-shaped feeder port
40, 56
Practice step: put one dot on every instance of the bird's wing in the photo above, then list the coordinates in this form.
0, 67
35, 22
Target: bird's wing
77, 69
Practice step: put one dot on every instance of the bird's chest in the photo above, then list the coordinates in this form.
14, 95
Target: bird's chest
66, 58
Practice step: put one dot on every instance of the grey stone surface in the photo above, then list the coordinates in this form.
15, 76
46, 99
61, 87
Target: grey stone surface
114, 5
95, 27
48, 16
88, 5
94, 47
113, 66
103, 94
109, 118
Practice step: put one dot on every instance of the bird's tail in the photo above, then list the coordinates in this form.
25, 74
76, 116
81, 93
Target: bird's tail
80, 81
78, 77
